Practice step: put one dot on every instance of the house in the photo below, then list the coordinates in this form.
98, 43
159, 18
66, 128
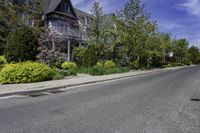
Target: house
71, 24
60, 16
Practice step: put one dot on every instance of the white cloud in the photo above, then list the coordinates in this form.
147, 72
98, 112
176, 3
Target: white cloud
192, 7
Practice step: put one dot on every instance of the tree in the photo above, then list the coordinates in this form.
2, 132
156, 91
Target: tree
165, 44
181, 50
90, 57
109, 36
194, 54
78, 54
102, 32
135, 29
21, 45
47, 52
96, 24
16, 13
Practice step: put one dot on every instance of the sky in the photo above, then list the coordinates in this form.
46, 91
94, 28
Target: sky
181, 18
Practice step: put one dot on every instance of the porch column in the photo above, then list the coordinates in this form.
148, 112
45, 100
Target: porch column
68, 50
53, 45
80, 44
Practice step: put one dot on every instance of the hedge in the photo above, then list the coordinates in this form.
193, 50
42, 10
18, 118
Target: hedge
25, 72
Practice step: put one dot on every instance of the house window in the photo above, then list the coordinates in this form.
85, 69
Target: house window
65, 6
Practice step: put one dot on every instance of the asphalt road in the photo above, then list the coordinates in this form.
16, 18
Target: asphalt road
155, 103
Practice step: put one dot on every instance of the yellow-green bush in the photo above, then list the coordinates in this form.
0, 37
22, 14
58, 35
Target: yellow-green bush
99, 64
109, 64
3, 61
25, 72
68, 66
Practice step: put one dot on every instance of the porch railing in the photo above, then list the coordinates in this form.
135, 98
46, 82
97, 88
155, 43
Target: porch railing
67, 33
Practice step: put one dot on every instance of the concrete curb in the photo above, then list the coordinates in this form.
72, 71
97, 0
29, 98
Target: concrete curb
74, 85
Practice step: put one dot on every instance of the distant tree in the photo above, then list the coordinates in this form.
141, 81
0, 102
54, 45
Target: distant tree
181, 50
194, 54
166, 44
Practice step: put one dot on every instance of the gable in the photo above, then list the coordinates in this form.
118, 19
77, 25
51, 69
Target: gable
55, 5
65, 7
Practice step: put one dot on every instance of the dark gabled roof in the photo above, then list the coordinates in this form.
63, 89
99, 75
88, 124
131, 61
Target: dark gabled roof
51, 5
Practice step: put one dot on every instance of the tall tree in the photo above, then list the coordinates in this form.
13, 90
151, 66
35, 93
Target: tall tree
135, 29
96, 24
181, 50
166, 44
102, 32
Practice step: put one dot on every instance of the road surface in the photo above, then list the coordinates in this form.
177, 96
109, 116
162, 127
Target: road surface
154, 103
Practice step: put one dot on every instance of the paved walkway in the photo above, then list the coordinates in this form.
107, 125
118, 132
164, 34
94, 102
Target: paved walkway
82, 79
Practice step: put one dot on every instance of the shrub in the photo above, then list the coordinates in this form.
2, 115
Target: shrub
90, 57
99, 64
1, 46
58, 76
124, 61
135, 65
97, 70
113, 71
78, 54
84, 70
116, 70
25, 72
50, 57
3, 61
21, 45
63, 72
68, 66
188, 63
109, 64
100, 70
72, 72
166, 66
176, 64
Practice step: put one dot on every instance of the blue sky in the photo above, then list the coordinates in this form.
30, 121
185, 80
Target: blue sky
181, 18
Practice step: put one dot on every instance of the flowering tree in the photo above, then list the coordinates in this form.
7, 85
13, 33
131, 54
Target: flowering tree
47, 49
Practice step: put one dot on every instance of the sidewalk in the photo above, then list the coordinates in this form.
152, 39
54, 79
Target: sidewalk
14, 89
